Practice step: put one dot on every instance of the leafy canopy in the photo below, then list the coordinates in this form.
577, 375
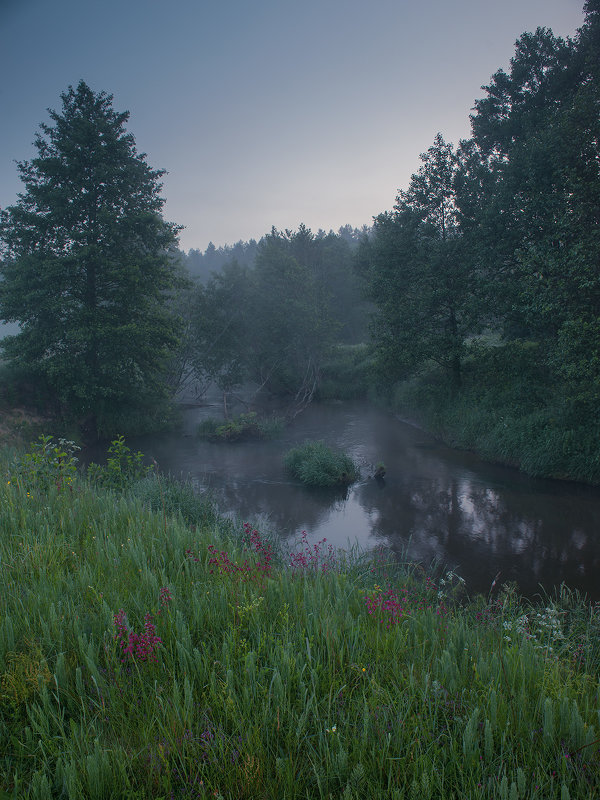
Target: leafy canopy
85, 264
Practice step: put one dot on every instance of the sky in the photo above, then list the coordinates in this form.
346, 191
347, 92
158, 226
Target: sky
265, 112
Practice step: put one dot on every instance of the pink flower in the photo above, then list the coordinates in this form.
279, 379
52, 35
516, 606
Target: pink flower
139, 646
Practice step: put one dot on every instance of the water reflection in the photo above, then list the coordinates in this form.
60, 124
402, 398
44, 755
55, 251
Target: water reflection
434, 503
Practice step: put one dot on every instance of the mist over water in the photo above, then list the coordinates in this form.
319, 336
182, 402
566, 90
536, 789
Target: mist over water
435, 503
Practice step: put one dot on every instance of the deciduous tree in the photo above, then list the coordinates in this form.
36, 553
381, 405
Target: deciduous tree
419, 275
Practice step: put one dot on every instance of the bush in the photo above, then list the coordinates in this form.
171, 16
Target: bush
122, 467
510, 409
315, 464
246, 426
48, 463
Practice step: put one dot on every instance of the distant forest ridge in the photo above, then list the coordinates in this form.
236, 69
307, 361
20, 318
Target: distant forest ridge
202, 265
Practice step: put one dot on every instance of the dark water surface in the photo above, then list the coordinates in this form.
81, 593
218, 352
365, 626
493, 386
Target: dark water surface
434, 503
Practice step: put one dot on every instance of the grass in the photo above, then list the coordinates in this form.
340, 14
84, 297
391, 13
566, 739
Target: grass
511, 410
150, 649
315, 464
240, 428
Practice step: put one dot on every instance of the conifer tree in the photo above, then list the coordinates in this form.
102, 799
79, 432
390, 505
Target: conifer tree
85, 265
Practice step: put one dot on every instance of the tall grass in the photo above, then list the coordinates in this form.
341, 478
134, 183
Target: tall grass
512, 410
241, 428
316, 464
309, 674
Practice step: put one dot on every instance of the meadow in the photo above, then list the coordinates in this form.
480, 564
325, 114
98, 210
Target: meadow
150, 648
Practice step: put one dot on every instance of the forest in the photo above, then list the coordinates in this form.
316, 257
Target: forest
472, 307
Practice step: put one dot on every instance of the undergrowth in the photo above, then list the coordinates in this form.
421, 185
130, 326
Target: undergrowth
240, 428
511, 410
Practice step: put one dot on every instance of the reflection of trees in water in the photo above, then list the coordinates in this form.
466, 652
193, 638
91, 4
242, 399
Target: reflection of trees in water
479, 517
481, 532
287, 506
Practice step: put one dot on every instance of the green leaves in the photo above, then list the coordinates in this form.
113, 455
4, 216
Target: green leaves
419, 274
47, 464
122, 468
86, 266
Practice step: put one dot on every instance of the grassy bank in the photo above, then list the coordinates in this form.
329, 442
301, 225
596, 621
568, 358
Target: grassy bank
148, 653
511, 410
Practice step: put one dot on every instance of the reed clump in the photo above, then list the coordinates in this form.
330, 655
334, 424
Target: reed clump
244, 427
316, 464
146, 656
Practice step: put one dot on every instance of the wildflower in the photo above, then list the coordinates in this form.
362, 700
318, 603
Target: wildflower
140, 646
165, 596
331, 730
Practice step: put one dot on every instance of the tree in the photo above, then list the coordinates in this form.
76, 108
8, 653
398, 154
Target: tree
538, 130
220, 329
419, 275
291, 327
86, 265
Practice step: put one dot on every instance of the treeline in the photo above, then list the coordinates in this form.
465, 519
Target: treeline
202, 264
274, 321
111, 326
486, 274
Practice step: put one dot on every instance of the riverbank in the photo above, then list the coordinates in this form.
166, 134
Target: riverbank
509, 411
150, 649
19, 425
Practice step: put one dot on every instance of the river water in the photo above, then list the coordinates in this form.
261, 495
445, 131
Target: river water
434, 503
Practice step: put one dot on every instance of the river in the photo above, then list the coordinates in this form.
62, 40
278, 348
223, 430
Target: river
434, 504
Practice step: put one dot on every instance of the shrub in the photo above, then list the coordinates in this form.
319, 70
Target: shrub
122, 467
245, 426
48, 463
315, 464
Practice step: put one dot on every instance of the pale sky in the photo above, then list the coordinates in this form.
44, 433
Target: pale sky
265, 112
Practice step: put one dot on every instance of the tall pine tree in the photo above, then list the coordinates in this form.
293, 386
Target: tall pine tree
85, 266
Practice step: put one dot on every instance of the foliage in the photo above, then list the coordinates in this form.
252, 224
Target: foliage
242, 427
273, 322
220, 329
292, 325
176, 498
204, 265
48, 463
26, 670
503, 235
277, 675
417, 271
538, 130
85, 265
122, 467
347, 373
511, 411
316, 464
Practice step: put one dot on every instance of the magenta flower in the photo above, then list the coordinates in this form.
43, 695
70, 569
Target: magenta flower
138, 646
